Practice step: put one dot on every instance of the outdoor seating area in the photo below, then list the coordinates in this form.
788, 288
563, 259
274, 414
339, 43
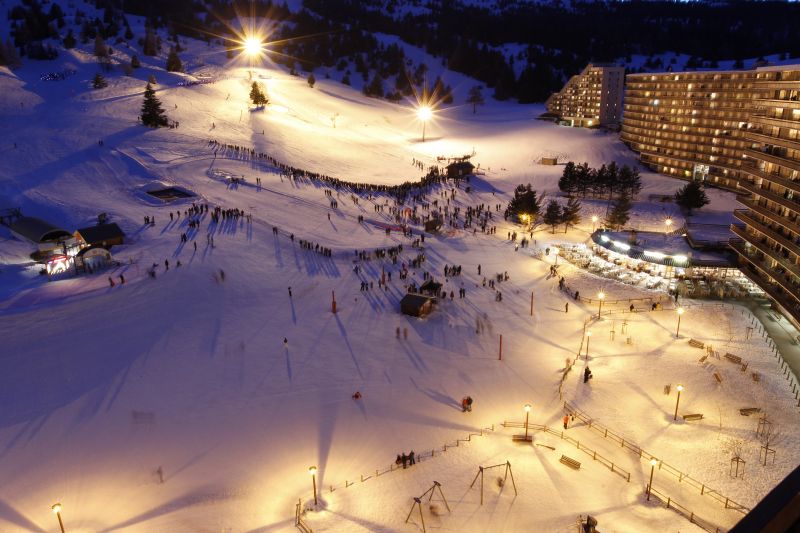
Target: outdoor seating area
689, 281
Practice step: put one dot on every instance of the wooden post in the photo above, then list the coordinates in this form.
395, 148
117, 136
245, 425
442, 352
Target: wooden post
500, 353
333, 302
531, 303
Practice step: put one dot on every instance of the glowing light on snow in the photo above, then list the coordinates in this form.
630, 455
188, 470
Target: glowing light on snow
621, 246
253, 46
654, 255
679, 258
424, 113
604, 238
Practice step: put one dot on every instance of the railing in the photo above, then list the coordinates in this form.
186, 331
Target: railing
693, 518
298, 518
624, 474
662, 466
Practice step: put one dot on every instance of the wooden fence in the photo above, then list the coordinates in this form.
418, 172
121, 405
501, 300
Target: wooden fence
624, 474
662, 466
669, 503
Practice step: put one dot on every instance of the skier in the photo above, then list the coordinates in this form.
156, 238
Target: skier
110, 281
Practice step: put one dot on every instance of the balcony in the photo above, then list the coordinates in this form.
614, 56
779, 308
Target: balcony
784, 221
760, 274
753, 135
786, 264
747, 218
791, 203
775, 178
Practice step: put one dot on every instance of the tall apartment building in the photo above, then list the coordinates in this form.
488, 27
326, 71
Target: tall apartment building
591, 98
769, 252
691, 125
739, 130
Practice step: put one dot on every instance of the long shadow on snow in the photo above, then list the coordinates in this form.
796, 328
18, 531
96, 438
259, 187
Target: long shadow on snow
10, 514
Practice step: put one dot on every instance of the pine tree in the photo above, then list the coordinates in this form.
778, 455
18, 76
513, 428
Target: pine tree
620, 212
150, 47
346, 78
552, 215
375, 87
691, 196
173, 61
257, 96
151, 79
571, 214
135, 63
525, 205
568, 182
311, 80
475, 98
69, 40
100, 47
99, 81
152, 112
11, 55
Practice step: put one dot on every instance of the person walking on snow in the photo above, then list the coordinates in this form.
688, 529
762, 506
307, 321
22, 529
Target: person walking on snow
566, 421
566, 307
290, 292
587, 375
404, 459
411, 458
469, 403
464, 404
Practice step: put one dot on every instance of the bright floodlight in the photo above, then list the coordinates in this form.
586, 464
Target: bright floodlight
668, 222
252, 46
601, 295
653, 461
681, 310
56, 508
588, 333
527, 408
594, 218
312, 470
679, 387
424, 113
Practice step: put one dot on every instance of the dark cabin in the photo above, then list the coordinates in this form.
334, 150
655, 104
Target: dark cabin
417, 305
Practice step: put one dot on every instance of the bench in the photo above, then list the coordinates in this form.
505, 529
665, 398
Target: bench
756, 377
744, 367
733, 358
703, 359
747, 411
717, 377
572, 463
696, 344
522, 438
695, 416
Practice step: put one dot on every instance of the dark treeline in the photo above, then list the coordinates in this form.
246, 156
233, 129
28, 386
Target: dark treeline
607, 181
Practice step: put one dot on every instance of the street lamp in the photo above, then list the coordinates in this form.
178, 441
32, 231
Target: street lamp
252, 46
678, 401
57, 511
600, 296
681, 310
424, 113
588, 338
668, 223
653, 463
594, 222
527, 412
313, 471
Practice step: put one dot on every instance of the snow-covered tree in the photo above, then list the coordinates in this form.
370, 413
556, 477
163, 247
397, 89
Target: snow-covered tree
173, 61
257, 96
525, 205
475, 97
571, 214
99, 81
152, 112
100, 47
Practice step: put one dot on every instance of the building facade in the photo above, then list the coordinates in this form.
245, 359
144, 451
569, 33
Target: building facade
590, 99
738, 130
769, 244
691, 125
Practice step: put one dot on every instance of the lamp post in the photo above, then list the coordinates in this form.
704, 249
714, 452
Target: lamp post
600, 296
57, 511
678, 331
667, 223
424, 113
594, 222
527, 412
313, 471
653, 463
678, 401
588, 338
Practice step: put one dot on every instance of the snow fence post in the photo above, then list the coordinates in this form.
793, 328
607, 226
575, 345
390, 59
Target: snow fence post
500, 353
